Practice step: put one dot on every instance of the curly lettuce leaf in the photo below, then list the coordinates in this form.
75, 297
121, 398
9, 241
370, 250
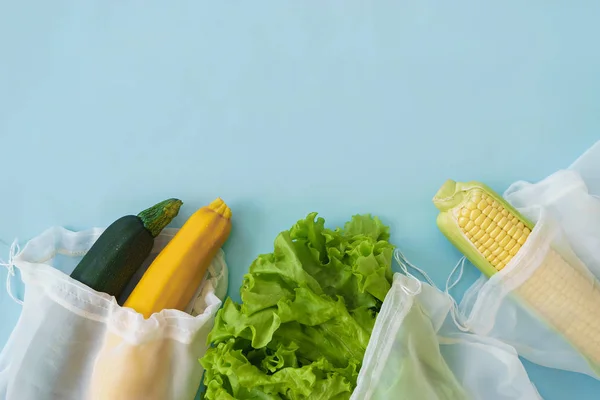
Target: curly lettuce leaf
307, 312
233, 372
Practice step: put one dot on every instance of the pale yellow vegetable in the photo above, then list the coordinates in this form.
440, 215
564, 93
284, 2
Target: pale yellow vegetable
125, 371
496, 233
490, 232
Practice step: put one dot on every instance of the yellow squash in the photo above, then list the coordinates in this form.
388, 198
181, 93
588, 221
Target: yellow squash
174, 276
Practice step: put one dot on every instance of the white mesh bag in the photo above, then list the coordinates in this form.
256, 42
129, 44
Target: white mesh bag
417, 352
564, 195
588, 165
546, 301
73, 343
570, 196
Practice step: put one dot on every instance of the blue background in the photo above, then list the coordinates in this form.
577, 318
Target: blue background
340, 107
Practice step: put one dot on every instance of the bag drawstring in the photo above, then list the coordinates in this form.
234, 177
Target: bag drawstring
454, 310
404, 263
10, 267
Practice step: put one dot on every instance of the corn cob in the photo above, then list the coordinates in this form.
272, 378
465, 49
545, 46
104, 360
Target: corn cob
490, 233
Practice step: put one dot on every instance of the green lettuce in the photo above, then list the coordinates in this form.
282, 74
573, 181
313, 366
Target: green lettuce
307, 312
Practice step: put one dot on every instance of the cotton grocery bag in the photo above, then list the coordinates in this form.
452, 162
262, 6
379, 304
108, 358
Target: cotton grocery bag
73, 343
417, 352
546, 300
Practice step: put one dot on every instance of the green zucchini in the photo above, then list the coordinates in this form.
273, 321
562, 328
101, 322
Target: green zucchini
123, 247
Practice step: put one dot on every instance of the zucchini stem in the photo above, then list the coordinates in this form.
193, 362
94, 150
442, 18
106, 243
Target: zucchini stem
157, 217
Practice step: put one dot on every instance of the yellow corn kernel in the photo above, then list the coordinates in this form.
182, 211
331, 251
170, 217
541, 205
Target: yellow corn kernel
479, 220
474, 230
504, 241
495, 232
477, 237
518, 233
502, 223
493, 213
501, 235
510, 244
471, 206
489, 242
515, 249
491, 227
493, 246
484, 238
503, 256
482, 205
486, 223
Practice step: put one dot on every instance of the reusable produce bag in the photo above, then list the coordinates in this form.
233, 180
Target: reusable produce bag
588, 166
565, 197
417, 352
526, 304
571, 197
72, 342
544, 302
